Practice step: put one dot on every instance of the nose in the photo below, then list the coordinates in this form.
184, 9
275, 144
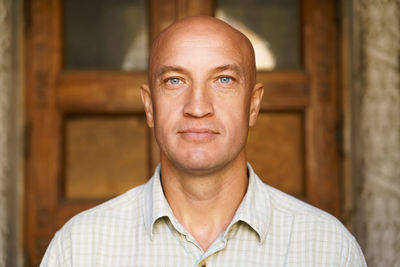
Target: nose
198, 103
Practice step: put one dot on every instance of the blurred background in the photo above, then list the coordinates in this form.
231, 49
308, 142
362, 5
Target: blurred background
73, 131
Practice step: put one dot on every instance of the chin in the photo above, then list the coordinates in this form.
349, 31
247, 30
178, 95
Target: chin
199, 160
201, 164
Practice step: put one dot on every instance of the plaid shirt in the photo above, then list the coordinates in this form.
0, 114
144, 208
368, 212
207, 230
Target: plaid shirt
138, 228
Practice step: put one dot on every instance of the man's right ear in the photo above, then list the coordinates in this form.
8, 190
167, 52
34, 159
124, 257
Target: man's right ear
148, 104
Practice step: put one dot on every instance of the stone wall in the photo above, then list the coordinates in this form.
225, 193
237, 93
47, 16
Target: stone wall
5, 44
376, 128
10, 133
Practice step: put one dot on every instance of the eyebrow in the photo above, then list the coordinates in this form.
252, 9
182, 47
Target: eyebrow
164, 69
233, 67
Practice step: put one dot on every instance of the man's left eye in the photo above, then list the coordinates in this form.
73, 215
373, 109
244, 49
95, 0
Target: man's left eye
225, 79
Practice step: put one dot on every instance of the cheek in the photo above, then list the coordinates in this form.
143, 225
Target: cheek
165, 114
235, 116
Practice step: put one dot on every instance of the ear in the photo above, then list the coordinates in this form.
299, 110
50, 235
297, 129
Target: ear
148, 104
255, 102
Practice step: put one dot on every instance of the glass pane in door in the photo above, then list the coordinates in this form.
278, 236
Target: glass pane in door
273, 27
105, 34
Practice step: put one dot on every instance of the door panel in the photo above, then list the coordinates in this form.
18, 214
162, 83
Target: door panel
275, 149
86, 130
104, 155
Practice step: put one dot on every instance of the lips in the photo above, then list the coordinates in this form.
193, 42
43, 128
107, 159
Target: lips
198, 135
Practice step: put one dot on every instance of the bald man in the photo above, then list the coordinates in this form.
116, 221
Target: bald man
204, 205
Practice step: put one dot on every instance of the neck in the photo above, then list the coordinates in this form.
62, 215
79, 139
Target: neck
206, 204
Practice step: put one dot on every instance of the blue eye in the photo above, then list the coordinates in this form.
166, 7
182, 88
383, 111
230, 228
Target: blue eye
225, 79
174, 81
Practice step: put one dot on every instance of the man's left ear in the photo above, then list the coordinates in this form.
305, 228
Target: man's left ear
255, 102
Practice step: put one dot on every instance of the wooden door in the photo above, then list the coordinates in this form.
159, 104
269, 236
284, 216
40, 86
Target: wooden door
86, 135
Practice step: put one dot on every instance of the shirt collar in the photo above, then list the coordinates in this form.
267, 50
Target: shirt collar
155, 204
254, 209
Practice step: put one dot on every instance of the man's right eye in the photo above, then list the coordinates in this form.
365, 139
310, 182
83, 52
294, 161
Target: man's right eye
174, 81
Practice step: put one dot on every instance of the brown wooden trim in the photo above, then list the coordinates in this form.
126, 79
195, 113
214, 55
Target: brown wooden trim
115, 92
43, 61
162, 14
284, 90
165, 12
323, 164
188, 8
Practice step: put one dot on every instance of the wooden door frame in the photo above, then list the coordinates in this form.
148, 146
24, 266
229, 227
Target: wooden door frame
323, 115
312, 90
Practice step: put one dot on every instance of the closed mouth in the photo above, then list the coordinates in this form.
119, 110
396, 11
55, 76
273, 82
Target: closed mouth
198, 134
198, 131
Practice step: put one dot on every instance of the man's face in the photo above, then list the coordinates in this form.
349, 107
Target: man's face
200, 93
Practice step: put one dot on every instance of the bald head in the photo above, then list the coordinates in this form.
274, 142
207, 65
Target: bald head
201, 97
203, 30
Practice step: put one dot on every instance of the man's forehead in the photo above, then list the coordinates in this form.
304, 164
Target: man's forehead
222, 51
198, 33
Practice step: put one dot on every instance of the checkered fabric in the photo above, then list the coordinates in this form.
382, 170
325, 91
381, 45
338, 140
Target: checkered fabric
138, 228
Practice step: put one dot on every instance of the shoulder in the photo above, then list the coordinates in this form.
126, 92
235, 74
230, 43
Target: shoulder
111, 216
122, 207
91, 229
317, 231
303, 213
304, 217
296, 207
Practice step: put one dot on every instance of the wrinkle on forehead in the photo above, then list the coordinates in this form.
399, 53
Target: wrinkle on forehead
203, 31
